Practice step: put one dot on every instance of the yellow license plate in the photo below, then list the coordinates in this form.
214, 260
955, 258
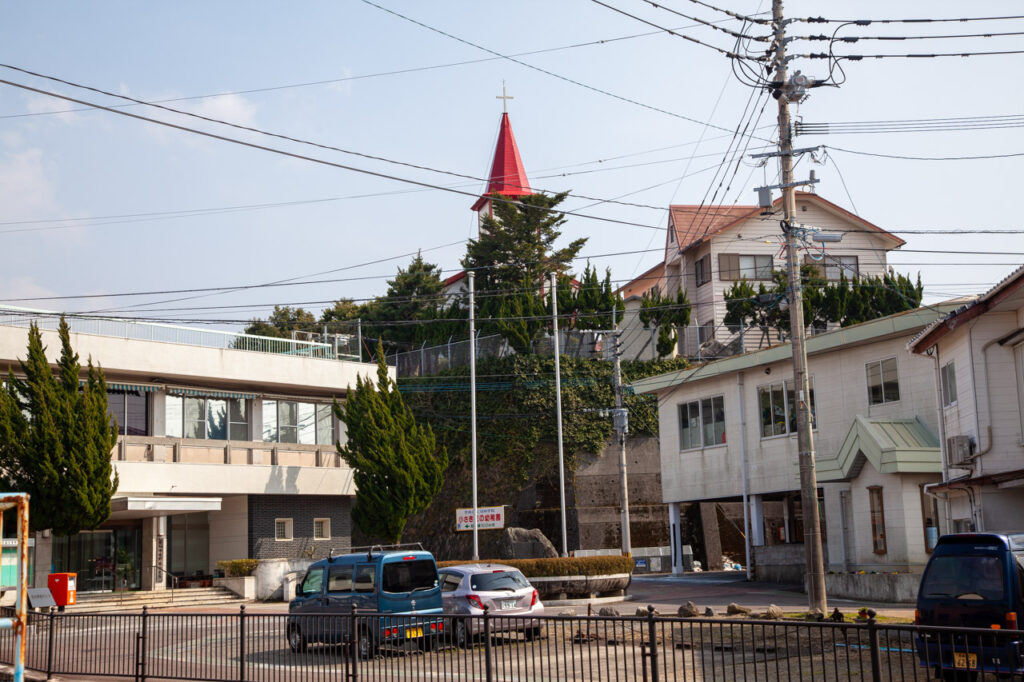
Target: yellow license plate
965, 660
418, 632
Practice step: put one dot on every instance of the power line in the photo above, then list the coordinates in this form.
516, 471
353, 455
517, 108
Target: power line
854, 39
926, 20
544, 71
303, 157
734, 34
904, 157
727, 53
734, 15
911, 125
859, 57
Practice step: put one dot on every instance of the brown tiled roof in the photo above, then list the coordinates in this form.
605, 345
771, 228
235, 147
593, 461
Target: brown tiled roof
693, 223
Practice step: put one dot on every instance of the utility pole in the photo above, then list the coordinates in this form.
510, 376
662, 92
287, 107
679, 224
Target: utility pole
558, 407
620, 419
805, 439
472, 411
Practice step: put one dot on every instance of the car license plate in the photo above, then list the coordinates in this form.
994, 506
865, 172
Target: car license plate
508, 603
962, 659
413, 632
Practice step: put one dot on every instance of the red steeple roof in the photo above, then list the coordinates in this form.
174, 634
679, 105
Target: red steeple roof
508, 178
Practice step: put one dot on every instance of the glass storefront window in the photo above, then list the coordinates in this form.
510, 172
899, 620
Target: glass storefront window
217, 419
238, 420
195, 418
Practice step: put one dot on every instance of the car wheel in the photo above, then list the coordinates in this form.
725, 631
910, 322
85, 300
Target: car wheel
296, 642
463, 637
531, 634
427, 643
367, 646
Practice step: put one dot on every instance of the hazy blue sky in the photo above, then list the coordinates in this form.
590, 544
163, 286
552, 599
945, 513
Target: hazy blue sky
94, 164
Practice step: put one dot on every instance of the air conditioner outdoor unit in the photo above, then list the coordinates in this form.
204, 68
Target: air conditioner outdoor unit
959, 450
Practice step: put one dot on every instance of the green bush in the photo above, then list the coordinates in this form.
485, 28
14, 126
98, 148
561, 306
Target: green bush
559, 566
237, 568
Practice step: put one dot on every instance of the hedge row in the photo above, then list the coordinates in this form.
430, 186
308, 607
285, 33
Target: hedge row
546, 568
237, 568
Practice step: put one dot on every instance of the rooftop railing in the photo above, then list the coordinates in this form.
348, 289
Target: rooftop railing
342, 347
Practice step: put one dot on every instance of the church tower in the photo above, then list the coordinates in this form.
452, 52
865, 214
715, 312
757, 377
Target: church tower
508, 177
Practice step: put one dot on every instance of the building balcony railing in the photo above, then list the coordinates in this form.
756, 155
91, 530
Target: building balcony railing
194, 451
338, 347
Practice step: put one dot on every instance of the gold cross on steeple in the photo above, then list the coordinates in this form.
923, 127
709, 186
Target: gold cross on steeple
505, 97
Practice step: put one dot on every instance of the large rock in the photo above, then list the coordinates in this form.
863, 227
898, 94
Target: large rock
523, 543
774, 612
608, 612
735, 609
688, 610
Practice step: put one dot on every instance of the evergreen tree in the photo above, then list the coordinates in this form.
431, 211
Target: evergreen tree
397, 466
56, 438
661, 314
413, 295
282, 322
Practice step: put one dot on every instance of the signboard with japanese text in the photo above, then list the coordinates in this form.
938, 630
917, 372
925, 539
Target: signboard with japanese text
489, 518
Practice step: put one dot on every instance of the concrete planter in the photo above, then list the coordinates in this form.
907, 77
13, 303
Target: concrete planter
580, 586
244, 586
883, 587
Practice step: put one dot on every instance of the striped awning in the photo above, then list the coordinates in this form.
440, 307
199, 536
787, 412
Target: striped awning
121, 386
209, 393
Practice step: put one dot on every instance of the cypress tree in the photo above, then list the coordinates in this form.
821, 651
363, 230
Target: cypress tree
397, 466
56, 438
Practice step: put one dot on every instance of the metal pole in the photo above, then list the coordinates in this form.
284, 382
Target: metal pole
620, 424
472, 411
746, 484
359, 337
805, 439
558, 408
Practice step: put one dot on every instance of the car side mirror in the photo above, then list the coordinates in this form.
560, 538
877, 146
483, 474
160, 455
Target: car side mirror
299, 592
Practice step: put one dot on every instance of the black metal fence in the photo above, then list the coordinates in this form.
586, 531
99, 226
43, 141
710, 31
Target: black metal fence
259, 647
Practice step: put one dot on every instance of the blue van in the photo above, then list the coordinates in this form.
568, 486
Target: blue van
402, 584
973, 580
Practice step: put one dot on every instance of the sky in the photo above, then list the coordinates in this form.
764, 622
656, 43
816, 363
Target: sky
95, 203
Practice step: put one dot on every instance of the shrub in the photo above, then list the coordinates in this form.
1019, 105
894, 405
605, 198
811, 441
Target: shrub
559, 566
237, 568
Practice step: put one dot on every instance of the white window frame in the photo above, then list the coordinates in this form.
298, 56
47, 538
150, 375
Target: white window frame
327, 529
289, 527
948, 395
881, 378
700, 422
787, 387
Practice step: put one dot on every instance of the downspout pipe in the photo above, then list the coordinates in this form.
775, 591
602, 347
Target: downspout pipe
746, 491
933, 353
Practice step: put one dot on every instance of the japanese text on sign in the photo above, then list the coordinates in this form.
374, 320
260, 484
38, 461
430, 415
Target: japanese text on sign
487, 518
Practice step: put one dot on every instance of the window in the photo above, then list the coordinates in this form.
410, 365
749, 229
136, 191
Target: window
313, 582
948, 373
321, 529
409, 576
702, 270
339, 579
207, 418
365, 578
287, 421
450, 581
841, 265
930, 518
877, 519
732, 267
282, 529
777, 403
129, 410
883, 385
702, 423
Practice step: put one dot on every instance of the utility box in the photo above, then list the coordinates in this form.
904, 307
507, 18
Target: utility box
63, 587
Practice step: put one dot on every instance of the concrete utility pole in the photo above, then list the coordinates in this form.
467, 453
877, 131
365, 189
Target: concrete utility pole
558, 408
621, 421
805, 439
472, 410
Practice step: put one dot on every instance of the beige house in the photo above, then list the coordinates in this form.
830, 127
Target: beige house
976, 354
709, 248
727, 431
226, 449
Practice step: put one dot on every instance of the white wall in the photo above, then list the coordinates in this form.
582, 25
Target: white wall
229, 530
178, 478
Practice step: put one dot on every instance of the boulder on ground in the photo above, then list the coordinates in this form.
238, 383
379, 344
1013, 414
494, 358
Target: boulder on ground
814, 615
641, 611
709, 613
688, 610
608, 612
735, 609
523, 543
774, 612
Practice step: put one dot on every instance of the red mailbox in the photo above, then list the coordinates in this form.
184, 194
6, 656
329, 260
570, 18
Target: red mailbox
63, 587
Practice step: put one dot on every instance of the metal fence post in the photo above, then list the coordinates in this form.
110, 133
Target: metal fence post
876, 663
353, 636
49, 646
652, 643
142, 644
489, 674
241, 643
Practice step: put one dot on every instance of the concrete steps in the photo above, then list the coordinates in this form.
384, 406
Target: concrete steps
195, 599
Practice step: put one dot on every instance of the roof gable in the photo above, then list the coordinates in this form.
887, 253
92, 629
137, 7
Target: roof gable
892, 446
